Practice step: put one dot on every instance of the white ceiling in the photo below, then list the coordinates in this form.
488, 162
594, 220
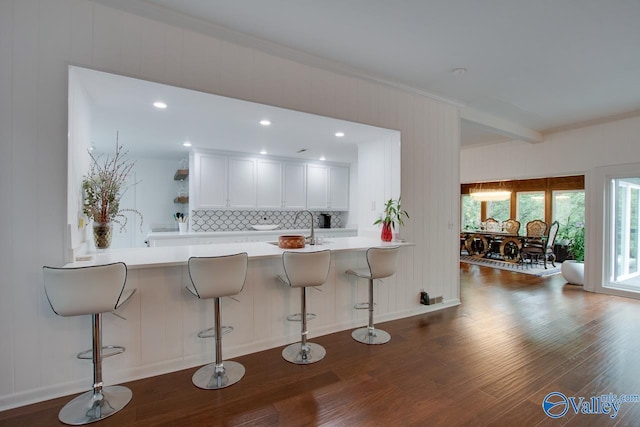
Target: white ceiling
540, 65
123, 105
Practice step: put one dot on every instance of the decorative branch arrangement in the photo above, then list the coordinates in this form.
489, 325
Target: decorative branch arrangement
104, 186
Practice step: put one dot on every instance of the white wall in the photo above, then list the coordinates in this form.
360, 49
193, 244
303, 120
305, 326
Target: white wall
377, 182
40, 38
78, 163
571, 152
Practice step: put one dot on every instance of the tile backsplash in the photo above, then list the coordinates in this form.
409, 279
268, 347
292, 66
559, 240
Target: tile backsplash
240, 220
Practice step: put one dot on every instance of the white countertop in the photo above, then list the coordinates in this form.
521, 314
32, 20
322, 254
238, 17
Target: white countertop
176, 234
179, 255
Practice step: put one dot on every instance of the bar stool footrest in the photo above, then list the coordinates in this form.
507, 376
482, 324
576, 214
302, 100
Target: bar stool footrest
298, 317
211, 332
363, 306
107, 351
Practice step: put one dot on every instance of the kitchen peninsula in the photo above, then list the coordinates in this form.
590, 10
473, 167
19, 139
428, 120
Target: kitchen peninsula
162, 321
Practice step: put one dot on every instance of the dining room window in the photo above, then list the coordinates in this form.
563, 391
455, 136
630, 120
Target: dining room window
567, 207
529, 206
499, 210
470, 213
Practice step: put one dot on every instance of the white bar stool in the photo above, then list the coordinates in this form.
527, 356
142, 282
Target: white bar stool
383, 262
303, 269
217, 277
90, 290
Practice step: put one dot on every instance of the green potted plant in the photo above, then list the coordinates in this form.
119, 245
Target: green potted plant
573, 269
393, 214
103, 187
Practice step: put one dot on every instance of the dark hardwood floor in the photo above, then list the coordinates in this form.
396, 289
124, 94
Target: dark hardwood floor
489, 361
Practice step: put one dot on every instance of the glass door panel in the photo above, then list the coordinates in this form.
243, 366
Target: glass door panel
625, 248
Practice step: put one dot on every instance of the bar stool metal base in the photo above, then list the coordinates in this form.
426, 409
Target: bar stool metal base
368, 335
88, 408
209, 378
294, 353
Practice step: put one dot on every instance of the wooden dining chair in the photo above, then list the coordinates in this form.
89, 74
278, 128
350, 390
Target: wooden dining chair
536, 228
491, 224
534, 251
511, 226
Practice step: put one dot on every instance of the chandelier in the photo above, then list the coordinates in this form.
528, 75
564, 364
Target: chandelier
490, 192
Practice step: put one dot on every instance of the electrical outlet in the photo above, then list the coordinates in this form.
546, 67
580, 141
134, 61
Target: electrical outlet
424, 298
436, 300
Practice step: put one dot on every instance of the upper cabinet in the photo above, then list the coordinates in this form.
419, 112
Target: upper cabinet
269, 184
317, 188
242, 182
327, 187
224, 182
294, 186
210, 183
338, 188
281, 185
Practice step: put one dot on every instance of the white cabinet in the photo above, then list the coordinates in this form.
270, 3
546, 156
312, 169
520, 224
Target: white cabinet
295, 186
210, 184
338, 188
281, 185
242, 183
269, 184
226, 181
317, 187
327, 187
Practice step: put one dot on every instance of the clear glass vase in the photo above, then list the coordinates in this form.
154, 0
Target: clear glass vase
102, 233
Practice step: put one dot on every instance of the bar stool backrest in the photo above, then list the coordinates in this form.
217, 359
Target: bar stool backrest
84, 290
221, 276
383, 262
307, 268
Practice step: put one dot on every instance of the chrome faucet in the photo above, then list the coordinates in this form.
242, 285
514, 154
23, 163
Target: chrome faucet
311, 239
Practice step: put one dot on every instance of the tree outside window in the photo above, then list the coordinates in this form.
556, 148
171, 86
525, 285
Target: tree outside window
530, 206
500, 211
568, 210
470, 213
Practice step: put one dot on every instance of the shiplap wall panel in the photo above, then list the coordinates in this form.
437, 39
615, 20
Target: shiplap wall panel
80, 31
40, 38
234, 76
24, 197
6, 188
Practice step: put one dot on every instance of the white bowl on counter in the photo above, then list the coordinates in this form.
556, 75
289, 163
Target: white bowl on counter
264, 227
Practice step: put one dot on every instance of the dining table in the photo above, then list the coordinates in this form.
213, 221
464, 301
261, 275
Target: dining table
496, 244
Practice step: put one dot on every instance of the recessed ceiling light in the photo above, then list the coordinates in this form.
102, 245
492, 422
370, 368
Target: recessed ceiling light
187, 144
159, 104
459, 71
323, 158
263, 152
339, 134
265, 122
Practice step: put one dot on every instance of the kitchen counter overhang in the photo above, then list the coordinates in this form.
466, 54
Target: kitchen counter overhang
179, 255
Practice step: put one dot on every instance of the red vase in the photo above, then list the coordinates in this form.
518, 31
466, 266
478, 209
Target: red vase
387, 234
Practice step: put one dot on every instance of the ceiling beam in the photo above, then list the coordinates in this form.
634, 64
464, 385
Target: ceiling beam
501, 126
